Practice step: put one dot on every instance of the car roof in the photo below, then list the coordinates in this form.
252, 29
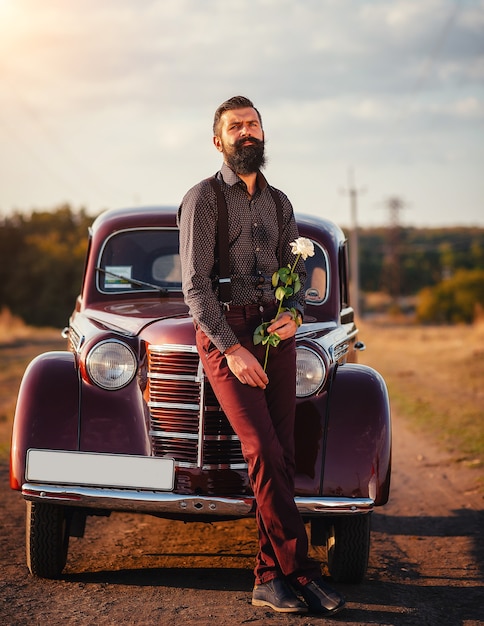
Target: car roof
165, 216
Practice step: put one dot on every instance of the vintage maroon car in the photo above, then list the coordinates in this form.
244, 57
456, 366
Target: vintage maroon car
124, 419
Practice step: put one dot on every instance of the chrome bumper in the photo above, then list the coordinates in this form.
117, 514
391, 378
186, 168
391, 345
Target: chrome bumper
170, 503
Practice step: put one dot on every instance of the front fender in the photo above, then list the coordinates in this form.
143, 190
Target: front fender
46, 415
358, 435
114, 421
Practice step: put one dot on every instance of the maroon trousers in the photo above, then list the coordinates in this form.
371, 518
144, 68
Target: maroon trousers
264, 423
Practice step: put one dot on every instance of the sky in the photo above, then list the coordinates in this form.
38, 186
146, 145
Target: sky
107, 104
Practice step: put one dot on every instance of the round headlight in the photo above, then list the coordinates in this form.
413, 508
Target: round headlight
310, 372
111, 364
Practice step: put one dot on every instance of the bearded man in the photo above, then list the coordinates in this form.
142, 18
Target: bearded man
259, 404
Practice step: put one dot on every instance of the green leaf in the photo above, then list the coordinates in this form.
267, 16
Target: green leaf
275, 279
297, 285
260, 330
284, 273
283, 292
295, 316
260, 333
274, 340
280, 293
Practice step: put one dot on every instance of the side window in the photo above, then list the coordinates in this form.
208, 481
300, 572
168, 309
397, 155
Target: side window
140, 260
317, 283
343, 276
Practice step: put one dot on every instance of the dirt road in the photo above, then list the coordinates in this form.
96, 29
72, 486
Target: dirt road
426, 565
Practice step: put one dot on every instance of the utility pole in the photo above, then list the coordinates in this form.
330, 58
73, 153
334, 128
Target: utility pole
352, 192
392, 275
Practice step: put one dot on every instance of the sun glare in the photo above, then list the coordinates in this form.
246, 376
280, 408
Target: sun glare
6, 8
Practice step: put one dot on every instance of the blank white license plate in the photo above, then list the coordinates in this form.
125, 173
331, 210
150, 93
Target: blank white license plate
100, 470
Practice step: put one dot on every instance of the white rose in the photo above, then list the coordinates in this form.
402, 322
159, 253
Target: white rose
302, 246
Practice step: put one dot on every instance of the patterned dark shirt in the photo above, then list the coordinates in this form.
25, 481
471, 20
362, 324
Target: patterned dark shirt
253, 251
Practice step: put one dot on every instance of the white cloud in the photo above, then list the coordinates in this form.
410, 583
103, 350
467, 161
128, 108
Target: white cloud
470, 108
369, 109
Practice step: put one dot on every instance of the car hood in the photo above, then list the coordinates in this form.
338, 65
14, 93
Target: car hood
133, 317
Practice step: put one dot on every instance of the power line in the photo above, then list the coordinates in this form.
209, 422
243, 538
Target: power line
353, 193
391, 262
437, 47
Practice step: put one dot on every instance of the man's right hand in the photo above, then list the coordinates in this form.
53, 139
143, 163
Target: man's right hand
243, 364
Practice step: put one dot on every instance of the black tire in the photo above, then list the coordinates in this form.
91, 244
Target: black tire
348, 547
47, 539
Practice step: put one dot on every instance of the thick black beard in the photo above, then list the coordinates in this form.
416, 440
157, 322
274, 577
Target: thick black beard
246, 159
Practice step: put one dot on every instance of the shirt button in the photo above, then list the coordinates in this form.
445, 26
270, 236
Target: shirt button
257, 249
261, 309
255, 223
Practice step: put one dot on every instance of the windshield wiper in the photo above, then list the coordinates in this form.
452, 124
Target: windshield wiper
133, 281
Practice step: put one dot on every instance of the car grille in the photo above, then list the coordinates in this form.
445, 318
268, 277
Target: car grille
187, 423
74, 339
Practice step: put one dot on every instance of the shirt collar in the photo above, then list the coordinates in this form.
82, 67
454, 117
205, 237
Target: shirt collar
230, 177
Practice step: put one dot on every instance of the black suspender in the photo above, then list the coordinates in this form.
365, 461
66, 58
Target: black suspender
224, 280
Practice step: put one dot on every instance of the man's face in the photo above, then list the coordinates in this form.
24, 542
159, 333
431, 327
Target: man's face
241, 140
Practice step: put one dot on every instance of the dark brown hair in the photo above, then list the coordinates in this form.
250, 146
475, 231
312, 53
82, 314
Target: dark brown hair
236, 102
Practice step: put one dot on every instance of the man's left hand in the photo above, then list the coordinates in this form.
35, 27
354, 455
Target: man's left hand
284, 325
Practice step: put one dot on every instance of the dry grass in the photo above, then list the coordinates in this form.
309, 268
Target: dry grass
11, 327
435, 376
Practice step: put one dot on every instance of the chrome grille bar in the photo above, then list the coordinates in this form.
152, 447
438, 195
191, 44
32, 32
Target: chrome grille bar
201, 423
187, 422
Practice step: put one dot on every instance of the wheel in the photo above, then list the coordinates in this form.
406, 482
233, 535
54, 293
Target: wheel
344, 542
348, 547
47, 539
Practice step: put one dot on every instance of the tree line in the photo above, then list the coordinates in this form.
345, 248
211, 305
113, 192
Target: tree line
41, 263
42, 260
444, 267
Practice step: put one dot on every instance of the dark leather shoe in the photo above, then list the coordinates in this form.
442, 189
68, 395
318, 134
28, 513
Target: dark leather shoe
321, 598
279, 596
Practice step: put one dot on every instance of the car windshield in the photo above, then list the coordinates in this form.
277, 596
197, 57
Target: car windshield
148, 260
140, 260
